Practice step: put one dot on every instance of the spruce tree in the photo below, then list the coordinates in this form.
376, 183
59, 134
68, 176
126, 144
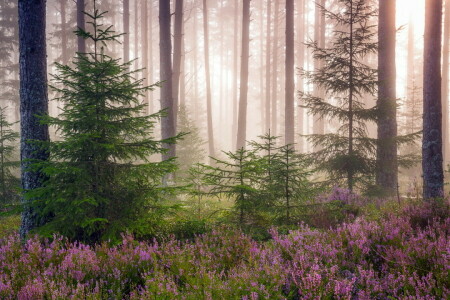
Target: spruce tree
100, 179
348, 154
9, 183
236, 178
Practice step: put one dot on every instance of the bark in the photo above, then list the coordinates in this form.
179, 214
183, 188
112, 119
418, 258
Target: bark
242, 117
261, 64
126, 30
235, 70
289, 126
387, 165
445, 85
177, 43
300, 60
208, 81
136, 33
81, 25
144, 41
165, 48
319, 37
33, 98
433, 178
268, 48
274, 96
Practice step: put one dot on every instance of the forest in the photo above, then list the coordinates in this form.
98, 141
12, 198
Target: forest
224, 149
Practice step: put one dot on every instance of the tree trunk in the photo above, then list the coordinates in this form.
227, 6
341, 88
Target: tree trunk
126, 30
242, 117
445, 78
433, 178
165, 47
33, 98
268, 51
235, 71
81, 25
136, 33
289, 69
300, 62
144, 40
177, 43
387, 165
318, 123
274, 129
208, 81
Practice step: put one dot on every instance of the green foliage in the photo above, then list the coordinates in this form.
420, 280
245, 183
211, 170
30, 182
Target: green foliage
9, 183
100, 179
347, 155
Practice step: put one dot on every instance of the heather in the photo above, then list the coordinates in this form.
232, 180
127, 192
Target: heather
404, 254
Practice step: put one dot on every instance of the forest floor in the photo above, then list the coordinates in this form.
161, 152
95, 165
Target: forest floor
398, 251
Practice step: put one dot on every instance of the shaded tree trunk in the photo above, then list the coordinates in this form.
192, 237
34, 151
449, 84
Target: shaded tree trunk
81, 24
235, 71
319, 37
289, 127
177, 44
433, 178
208, 81
242, 117
268, 52
301, 61
445, 85
144, 39
165, 48
33, 98
387, 165
126, 30
274, 111
136, 33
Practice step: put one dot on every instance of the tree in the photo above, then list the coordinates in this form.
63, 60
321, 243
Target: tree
100, 181
433, 177
81, 25
126, 30
243, 91
445, 84
387, 164
275, 45
268, 47
9, 183
208, 80
33, 100
177, 42
348, 153
167, 102
290, 76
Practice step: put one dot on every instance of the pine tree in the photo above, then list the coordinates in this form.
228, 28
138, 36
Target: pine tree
347, 154
9, 183
100, 180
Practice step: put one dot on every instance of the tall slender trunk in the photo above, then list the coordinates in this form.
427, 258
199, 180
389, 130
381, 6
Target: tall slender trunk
136, 33
301, 61
274, 97
289, 127
81, 25
126, 30
318, 124
261, 65
144, 39
33, 99
387, 165
242, 117
433, 177
350, 173
235, 71
165, 48
268, 51
182, 95
445, 85
177, 44
208, 81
